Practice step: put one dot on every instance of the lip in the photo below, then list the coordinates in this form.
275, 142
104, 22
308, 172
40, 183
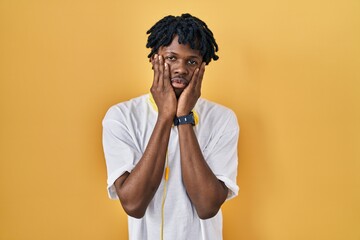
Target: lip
179, 82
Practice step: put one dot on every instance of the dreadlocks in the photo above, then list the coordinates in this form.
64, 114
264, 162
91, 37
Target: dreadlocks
189, 29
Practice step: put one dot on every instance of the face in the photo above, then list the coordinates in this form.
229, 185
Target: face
182, 61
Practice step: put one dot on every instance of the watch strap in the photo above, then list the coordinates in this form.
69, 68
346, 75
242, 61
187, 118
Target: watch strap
188, 119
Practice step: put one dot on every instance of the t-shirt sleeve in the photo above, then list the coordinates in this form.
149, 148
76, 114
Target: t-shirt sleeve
119, 148
223, 157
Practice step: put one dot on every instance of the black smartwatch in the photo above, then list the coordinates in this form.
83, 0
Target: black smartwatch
188, 119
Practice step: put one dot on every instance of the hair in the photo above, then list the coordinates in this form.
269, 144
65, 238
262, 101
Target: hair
189, 29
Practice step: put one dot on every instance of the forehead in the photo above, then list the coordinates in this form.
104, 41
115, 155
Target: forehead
180, 49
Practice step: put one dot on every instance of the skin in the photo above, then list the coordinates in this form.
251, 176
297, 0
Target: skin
178, 74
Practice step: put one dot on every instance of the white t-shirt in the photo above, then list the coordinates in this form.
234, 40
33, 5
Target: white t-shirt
127, 128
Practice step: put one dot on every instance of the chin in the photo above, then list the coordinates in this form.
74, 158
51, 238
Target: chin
178, 92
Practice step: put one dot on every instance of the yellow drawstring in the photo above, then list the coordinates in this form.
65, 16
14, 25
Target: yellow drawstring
166, 177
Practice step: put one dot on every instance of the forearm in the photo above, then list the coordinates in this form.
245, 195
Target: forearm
136, 189
206, 192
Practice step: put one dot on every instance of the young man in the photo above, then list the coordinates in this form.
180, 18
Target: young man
172, 156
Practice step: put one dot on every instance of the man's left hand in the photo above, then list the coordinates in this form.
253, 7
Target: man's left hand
191, 93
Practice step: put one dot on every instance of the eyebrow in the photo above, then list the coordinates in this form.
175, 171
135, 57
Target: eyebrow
191, 56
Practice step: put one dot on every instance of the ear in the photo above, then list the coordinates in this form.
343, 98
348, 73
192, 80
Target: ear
153, 55
151, 60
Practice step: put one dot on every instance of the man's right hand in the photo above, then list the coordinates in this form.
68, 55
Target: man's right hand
137, 188
161, 89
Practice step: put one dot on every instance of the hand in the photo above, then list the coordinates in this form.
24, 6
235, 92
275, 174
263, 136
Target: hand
161, 89
191, 93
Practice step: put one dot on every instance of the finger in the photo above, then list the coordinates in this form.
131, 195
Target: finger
155, 62
200, 76
194, 78
166, 75
161, 71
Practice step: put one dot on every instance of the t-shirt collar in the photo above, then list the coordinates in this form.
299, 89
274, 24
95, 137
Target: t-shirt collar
154, 106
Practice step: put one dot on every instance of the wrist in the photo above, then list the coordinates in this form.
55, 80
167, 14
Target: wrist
167, 119
184, 119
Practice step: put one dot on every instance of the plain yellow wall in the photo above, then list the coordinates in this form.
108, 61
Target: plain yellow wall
289, 69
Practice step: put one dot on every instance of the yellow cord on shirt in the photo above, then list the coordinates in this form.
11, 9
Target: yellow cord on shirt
166, 177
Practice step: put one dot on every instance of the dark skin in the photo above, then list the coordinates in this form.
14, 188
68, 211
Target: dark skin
178, 74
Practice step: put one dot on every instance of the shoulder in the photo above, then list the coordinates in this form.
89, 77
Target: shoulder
125, 108
207, 104
213, 110
213, 114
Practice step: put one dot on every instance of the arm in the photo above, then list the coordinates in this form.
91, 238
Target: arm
136, 189
206, 192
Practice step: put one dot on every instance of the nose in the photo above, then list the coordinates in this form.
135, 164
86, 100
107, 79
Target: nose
180, 68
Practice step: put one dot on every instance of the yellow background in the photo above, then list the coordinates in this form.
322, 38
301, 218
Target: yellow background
289, 69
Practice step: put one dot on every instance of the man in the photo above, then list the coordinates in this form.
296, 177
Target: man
172, 156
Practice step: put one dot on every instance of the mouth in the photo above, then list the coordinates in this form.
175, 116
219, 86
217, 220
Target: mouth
179, 82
